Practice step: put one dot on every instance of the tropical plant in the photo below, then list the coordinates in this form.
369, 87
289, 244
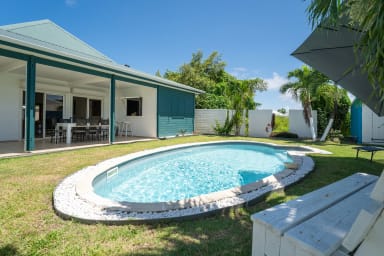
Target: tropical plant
335, 103
225, 129
304, 89
222, 90
365, 15
241, 95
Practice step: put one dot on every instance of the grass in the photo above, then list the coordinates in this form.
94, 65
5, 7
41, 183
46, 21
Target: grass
281, 124
28, 225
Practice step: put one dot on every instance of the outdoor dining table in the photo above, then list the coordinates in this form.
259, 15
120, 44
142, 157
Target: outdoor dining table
68, 127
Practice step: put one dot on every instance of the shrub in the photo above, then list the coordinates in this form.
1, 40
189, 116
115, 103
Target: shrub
284, 135
226, 129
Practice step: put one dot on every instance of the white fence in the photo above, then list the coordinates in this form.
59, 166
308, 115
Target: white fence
297, 123
205, 121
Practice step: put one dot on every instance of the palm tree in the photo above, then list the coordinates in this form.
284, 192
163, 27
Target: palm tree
303, 89
331, 95
241, 94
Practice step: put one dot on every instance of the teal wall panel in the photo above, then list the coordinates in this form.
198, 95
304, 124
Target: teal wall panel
175, 110
357, 120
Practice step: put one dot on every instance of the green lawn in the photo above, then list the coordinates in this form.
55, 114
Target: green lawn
28, 225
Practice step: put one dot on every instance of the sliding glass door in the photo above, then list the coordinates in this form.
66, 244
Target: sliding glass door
53, 111
48, 111
85, 108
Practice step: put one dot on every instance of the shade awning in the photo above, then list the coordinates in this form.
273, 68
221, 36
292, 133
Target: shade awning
331, 51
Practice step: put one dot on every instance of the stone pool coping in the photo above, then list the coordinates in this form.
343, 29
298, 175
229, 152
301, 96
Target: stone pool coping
74, 196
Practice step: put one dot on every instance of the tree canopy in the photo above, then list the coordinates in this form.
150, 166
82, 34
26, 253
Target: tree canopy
222, 90
210, 76
365, 15
303, 85
315, 91
332, 102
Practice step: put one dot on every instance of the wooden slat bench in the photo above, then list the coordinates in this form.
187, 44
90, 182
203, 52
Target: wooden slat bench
277, 230
324, 233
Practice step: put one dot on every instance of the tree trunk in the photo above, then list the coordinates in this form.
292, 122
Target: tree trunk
311, 124
327, 129
246, 122
312, 129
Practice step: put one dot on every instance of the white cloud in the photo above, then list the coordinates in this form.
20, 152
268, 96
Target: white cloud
70, 2
244, 73
276, 81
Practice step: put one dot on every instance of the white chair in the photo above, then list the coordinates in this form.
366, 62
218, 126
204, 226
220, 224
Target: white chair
125, 128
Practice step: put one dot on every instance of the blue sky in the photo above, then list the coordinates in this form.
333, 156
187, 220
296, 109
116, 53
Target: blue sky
254, 37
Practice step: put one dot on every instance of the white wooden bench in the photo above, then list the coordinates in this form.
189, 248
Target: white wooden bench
316, 223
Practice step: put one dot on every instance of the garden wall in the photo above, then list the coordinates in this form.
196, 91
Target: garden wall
205, 121
297, 123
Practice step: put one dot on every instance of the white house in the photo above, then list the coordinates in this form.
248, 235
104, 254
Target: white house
47, 76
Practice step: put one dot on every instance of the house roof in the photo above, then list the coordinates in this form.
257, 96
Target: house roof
51, 38
47, 34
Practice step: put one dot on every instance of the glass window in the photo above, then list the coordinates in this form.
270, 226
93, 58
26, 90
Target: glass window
79, 108
94, 108
134, 107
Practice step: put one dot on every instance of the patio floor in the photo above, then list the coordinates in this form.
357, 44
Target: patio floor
16, 148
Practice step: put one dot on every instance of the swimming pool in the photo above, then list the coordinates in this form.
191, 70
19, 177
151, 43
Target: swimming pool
76, 197
188, 172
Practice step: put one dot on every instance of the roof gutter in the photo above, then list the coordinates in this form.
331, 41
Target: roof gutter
111, 69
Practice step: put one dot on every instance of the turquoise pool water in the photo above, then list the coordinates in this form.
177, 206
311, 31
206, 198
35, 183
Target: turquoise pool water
188, 172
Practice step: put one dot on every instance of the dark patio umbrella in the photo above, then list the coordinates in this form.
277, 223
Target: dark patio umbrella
331, 51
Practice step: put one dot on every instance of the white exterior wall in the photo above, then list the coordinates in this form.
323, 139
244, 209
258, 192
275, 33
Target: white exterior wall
366, 120
10, 108
372, 126
145, 125
205, 121
11, 87
297, 123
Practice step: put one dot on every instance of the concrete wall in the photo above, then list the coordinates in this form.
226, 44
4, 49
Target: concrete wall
205, 121
146, 124
297, 123
10, 109
258, 122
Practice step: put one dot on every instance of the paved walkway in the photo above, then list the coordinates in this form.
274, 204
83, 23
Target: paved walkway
16, 148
